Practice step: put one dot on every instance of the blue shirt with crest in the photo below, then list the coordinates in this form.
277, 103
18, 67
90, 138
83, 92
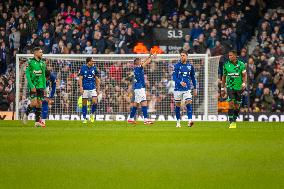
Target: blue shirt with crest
89, 77
139, 80
184, 73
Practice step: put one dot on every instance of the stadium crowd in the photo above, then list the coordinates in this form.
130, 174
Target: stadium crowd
116, 26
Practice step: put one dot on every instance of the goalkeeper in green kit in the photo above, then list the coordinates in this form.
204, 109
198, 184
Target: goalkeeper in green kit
35, 74
234, 81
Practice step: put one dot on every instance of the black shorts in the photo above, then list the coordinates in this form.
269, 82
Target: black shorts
235, 95
39, 94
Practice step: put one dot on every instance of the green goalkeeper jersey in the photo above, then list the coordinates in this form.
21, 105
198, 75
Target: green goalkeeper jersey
233, 73
35, 74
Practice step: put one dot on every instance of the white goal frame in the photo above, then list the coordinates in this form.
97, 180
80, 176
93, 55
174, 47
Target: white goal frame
121, 57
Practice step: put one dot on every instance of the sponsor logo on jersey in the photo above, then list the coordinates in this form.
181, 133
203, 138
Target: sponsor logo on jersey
37, 73
233, 74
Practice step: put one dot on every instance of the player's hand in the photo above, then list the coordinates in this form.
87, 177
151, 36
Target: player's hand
33, 90
81, 90
183, 84
195, 92
154, 55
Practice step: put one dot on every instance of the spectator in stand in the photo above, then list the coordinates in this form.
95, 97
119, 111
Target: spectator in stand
196, 31
42, 12
14, 39
115, 72
140, 48
4, 58
156, 49
243, 56
267, 100
218, 50
114, 27
251, 69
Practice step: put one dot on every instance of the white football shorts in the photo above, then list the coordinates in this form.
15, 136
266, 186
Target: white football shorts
139, 95
182, 95
89, 93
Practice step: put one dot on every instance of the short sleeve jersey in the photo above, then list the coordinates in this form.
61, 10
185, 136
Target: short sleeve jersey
233, 72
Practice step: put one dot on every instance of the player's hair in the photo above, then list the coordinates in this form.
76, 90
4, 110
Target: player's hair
136, 60
183, 51
88, 59
233, 51
36, 49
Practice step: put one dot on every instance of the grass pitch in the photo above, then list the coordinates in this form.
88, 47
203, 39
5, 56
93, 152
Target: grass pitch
116, 155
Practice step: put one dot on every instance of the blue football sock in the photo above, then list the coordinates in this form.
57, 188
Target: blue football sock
177, 110
44, 107
145, 111
133, 111
94, 108
189, 111
84, 111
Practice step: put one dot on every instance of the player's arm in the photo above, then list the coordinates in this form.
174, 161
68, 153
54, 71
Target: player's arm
81, 81
244, 74
223, 84
193, 80
175, 74
129, 77
81, 84
28, 76
224, 77
147, 60
98, 82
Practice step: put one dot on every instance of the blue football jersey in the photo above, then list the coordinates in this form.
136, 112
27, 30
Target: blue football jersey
89, 77
139, 80
184, 73
51, 82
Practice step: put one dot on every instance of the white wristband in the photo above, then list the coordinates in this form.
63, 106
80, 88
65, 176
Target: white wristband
222, 89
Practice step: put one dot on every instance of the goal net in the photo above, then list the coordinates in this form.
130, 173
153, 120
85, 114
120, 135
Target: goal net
115, 95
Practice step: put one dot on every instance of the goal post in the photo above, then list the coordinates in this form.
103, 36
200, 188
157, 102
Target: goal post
115, 94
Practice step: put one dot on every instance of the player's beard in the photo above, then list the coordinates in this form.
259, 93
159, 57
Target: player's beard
39, 57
